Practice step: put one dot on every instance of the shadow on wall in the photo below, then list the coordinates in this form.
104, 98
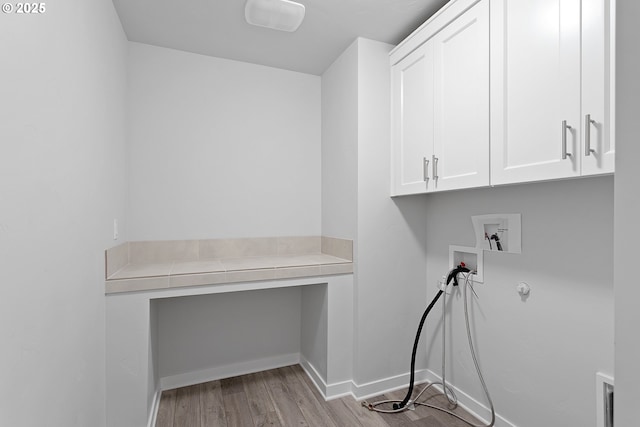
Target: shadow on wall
413, 209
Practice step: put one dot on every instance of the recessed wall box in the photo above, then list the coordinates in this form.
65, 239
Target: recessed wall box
473, 259
498, 232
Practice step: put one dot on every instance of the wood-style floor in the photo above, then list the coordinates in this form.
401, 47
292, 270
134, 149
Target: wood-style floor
286, 397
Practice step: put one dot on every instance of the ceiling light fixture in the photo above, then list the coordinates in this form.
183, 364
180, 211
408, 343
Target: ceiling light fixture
284, 15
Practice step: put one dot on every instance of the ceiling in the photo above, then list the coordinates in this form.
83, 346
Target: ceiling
217, 28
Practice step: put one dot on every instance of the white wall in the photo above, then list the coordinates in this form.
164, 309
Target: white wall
340, 146
200, 333
539, 356
339, 168
627, 212
389, 233
314, 328
220, 148
62, 182
390, 275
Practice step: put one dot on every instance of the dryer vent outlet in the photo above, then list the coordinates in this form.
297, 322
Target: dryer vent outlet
604, 399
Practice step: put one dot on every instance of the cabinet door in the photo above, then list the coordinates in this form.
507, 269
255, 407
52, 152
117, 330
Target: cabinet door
535, 88
597, 87
412, 121
461, 57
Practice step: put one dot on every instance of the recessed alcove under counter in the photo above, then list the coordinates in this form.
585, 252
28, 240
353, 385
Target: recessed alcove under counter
187, 312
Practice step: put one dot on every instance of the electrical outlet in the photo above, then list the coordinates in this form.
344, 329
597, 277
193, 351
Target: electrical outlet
115, 229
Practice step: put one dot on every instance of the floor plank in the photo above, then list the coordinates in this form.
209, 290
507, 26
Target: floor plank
212, 405
187, 407
430, 421
304, 378
232, 385
235, 409
331, 408
285, 405
315, 414
166, 409
364, 415
340, 413
338, 409
287, 397
267, 420
260, 402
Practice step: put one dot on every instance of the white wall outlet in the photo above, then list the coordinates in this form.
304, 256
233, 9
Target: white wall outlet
115, 229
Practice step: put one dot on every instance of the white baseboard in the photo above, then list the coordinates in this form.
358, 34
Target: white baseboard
153, 414
315, 376
471, 405
328, 391
386, 385
228, 371
359, 391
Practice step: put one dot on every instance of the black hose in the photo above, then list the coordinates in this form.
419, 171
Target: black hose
453, 275
413, 354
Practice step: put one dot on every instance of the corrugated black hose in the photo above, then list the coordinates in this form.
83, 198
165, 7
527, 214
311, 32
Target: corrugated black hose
453, 275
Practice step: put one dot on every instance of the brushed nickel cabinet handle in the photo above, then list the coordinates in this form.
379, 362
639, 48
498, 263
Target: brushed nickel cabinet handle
565, 126
425, 169
434, 161
587, 135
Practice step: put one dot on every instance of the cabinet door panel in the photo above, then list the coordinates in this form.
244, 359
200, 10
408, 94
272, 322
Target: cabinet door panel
412, 98
597, 86
461, 55
535, 86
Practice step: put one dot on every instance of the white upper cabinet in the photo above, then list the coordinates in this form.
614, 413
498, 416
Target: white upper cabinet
491, 92
550, 70
440, 104
535, 88
412, 109
598, 86
461, 126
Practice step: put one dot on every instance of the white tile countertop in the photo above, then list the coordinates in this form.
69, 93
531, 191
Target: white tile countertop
144, 266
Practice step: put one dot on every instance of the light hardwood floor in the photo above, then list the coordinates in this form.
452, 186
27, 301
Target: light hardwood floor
285, 397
